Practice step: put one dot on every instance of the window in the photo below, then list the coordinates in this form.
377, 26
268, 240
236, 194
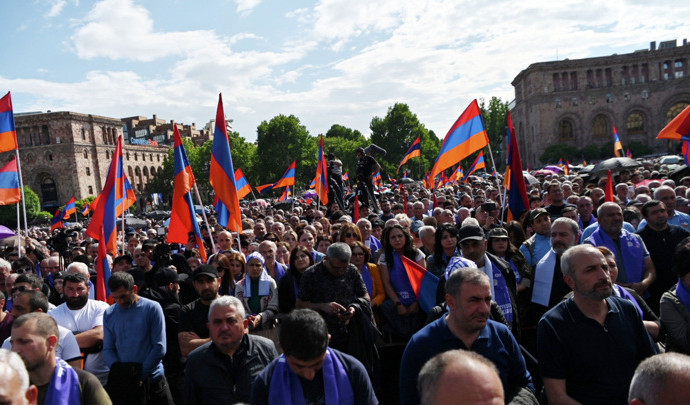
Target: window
573, 80
88, 171
127, 155
609, 77
635, 123
565, 129
666, 70
49, 157
136, 157
556, 82
83, 134
625, 75
86, 154
600, 127
91, 190
679, 69
675, 110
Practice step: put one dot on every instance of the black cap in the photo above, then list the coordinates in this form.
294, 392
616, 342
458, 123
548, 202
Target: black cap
470, 232
534, 214
166, 275
498, 233
205, 270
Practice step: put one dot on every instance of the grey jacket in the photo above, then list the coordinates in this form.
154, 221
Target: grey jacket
675, 319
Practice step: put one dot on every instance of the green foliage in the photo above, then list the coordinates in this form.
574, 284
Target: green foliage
339, 131
590, 152
495, 120
80, 203
640, 149
8, 213
280, 141
343, 149
560, 151
42, 217
395, 133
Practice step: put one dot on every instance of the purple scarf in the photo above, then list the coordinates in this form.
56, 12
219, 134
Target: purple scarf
286, 388
623, 293
64, 387
400, 281
630, 249
683, 293
368, 281
501, 293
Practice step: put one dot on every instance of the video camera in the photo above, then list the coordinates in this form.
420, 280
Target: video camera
374, 149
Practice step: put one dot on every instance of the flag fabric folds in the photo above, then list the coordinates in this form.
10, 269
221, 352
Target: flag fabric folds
377, 180
346, 176
608, 193
466, 136
628, 153
566, 168
263, 189
102, 272
117, 195
414, 151
86, 209
286, 194
10, 192
678, 129
222, 173
617, 145
424, 283
518, 201
288, 178
183, 215
56, 222
70, 208
322, 175
243, 187
8, 132
312, 184
478, 163
686, 152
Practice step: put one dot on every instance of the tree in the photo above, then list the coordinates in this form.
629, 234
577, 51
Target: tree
395, 133
559, 151
343, 149
339, 131
280, 141
8, 213
495, 120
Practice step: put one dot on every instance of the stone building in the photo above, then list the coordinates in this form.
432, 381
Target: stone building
578, 102
67, 154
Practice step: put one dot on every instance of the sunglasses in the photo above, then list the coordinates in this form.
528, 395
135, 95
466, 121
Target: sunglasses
21, 288
22, 271
349, 235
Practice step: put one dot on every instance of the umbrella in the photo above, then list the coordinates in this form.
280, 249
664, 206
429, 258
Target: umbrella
553, 168
406, 180
543, 172
5, 232
529, 179
615, 164
133, 222
157, 214
309, 194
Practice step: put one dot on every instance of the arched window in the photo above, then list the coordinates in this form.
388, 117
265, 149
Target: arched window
91, 190
600, 127
675, 110
48, 157
146, 171
86, 154
88, 171
136, 157
127, 155
565, 129
635, 123
83, 134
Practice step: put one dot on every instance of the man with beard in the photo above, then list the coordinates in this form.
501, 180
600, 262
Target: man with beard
193, 329
84, 317
589, 345
585, 208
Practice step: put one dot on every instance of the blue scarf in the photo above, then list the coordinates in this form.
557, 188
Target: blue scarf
623, 293
264, 284
286, 388
629, 255
368, 281
683, 293
543, 279
518, 276
501, 293
400, 281
64, 387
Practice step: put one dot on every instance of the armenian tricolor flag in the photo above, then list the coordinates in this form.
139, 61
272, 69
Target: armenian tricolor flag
10, 192
321, 185
8, 133
70, 208
518, 201
617, 145
678, 129
243, 187
288, 178
479, 163
415, 150
56, 222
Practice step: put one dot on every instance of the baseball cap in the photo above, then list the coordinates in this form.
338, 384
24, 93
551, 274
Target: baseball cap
416, 224
498, 233
206, 270
534, 214
470, 232
166, 275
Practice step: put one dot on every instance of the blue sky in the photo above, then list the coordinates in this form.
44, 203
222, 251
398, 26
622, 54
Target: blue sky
327, 62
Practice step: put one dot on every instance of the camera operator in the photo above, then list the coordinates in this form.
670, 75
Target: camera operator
335, 180
366, 168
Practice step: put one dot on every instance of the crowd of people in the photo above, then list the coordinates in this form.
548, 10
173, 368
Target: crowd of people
561, 305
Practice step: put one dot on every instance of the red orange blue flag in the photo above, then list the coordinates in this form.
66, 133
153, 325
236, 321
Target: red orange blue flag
222, 173
288, 178
466, 136
566, 168
346, 176
56, 222
415, 150
628, 153
243, 187
70, 208
183, 215
423, 282
263, 189
111, 202
10, 193
678, 129
518, 201
686, 152
312, 184
102, 272
8, 132
321, 187
286, 193
86, 209
478, 163
617, 145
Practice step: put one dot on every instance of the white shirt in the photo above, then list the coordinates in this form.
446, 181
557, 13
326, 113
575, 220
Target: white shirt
82, 320
67, 347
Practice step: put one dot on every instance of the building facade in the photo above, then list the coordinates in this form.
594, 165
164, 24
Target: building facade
578, 102
67, 154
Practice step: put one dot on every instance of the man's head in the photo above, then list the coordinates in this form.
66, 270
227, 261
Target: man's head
76, 290
365, 228
29, 301
35, 339
268, 250
338, 258
610, 217
206, 282
122, 289
663, 379
586, 272
141, 259
655, 213
224, 241
472, 242
468, 295
78, 267
226, 322
259, 229
418, 209
122, 263
585, 207
564, 233
459, 377
666, 195
50, 265
540, 221
15, 389
26, 282
304, 338
555, 193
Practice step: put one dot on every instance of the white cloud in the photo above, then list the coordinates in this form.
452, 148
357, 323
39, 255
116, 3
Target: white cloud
56, 8
245, 7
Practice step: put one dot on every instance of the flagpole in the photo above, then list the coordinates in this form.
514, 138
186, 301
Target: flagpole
203, 213
124, 197
21, 185
19, 231
495, 179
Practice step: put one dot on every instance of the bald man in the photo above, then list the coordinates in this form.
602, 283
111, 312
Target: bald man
459, 377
